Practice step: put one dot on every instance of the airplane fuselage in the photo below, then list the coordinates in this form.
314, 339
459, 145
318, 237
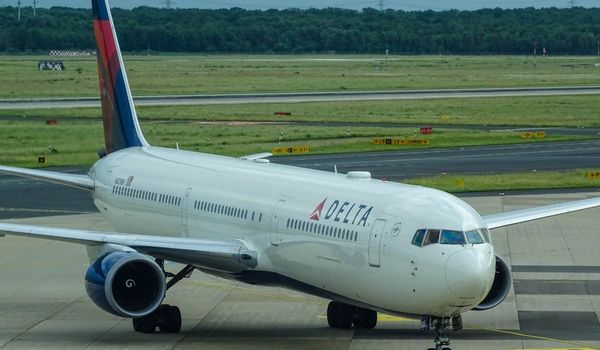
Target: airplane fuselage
346, 237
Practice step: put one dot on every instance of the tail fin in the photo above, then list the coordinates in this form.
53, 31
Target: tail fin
121, 127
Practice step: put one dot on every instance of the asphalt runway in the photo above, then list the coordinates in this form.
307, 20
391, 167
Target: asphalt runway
396, 165
303, 97
555, 302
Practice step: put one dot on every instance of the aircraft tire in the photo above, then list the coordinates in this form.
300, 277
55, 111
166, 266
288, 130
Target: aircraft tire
365, 318
145, 324
169, 319
339, 315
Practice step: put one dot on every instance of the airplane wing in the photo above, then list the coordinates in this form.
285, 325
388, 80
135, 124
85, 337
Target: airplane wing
257, 156
523, 215
84, 182
226, 256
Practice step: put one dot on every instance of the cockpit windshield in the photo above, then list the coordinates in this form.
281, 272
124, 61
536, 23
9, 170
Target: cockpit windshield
452, 237
424, 237
473, 237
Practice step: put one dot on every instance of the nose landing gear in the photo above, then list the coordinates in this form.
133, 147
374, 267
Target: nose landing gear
441, 325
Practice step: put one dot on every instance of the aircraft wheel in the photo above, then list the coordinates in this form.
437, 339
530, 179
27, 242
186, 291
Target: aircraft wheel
340, 315
365, 318
169, 319
145, 324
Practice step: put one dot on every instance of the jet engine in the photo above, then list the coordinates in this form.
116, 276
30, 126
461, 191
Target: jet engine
126, 284
500, 287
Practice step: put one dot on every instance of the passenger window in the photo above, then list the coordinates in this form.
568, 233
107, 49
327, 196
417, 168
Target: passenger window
473, 237
432, 237
418, 238
452, 237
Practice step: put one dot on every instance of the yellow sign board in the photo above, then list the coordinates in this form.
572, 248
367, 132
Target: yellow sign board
400, 141
286, 150
533, 134
460, 183
593, 175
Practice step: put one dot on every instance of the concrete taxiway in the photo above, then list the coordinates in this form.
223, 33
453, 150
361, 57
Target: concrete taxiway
555, 302
294, 97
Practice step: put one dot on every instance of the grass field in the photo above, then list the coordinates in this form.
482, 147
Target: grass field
512, 181
570, 111
78, 135
77, 142
198, 74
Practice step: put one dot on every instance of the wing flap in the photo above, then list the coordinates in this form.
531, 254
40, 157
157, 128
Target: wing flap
227, 256
84, 182
524, 215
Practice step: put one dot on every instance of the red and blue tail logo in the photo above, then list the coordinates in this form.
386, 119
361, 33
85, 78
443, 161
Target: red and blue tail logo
121, 128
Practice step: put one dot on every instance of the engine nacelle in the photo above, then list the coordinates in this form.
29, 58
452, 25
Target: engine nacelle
500, 287
127, 284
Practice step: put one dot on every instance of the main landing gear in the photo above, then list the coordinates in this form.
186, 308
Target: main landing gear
340, 315
166, 317
441, 325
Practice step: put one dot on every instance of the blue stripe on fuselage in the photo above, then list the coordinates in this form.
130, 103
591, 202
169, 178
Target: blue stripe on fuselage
125, 114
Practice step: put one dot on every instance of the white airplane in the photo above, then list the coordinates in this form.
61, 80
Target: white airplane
370, 246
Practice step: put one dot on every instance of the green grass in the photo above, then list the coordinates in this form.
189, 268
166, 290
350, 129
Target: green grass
571, 111
78, 135
194, 74
77, 141
509, 181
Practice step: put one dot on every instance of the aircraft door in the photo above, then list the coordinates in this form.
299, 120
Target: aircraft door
277, 222
185, 206
375, 242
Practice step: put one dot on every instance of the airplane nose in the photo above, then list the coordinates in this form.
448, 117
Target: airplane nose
470, 273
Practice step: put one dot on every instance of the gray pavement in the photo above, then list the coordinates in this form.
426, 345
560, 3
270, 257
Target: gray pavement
43, 304
78, 102
395, 165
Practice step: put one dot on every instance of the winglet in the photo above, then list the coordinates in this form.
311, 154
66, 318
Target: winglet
121, 127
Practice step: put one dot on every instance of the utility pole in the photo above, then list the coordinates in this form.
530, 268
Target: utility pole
381, 5
34, 7
19, 10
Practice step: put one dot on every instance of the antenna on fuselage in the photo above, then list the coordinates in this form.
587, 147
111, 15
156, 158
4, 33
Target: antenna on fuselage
335, 168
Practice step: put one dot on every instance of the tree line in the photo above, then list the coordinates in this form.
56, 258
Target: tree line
573, 31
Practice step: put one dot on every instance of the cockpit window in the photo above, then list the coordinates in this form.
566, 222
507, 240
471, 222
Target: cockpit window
452, 237
418, 239
473, 237
485, 234
432, 237
425, 237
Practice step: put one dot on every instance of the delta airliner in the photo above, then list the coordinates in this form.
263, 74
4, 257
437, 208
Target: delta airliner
368, 245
